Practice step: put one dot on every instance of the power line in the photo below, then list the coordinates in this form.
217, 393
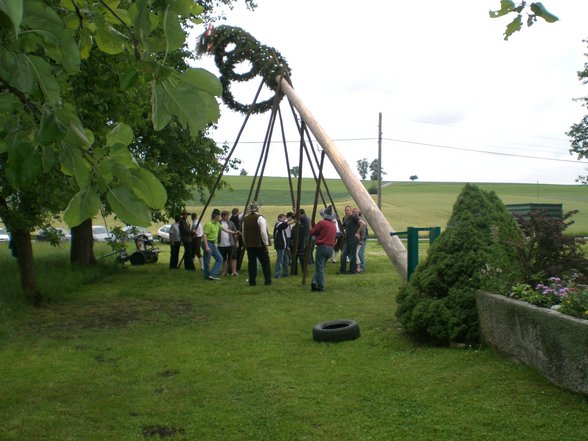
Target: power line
452, 126
506, 144
487, 152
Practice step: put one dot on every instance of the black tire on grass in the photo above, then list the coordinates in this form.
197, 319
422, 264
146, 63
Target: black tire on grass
336, 330
138, 258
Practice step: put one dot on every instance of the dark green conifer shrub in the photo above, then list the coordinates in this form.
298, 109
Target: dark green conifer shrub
477, 250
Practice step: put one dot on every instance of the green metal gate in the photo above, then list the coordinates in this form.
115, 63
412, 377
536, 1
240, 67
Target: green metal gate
412, 238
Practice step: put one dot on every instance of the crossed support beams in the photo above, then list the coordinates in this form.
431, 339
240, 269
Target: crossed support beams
392, 244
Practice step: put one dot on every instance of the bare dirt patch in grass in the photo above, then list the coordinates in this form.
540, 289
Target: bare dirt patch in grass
68, 320
161, 431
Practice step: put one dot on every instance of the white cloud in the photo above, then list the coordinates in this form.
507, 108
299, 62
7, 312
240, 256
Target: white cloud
439, 62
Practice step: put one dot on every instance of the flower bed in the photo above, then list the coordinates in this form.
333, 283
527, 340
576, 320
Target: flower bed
557, 294
553, 343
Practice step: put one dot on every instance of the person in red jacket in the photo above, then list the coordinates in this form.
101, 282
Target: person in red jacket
325, 233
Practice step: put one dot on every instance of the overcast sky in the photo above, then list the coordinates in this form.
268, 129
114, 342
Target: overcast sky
458, 103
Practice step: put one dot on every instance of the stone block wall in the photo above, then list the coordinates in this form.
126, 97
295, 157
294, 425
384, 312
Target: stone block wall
553, 343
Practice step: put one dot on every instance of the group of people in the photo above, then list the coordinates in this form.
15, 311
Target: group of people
218, 239
354, 242
293, 234
227, 235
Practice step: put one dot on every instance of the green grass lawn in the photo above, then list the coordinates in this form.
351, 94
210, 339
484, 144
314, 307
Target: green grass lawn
430, 204
415, 204
149, 353
405, 204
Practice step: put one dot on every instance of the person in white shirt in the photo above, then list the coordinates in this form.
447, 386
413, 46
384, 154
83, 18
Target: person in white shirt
226, 244
197, 232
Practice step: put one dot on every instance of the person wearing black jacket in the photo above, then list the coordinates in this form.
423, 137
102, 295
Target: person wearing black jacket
281, 246
186, 239
239, 244
299, 240
354, 227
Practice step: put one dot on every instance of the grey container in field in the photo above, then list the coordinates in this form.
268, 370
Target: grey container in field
551, 210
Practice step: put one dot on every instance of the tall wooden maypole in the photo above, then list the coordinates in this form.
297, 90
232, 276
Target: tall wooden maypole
376, 219
232, 46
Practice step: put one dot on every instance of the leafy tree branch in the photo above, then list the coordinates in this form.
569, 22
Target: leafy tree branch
532, 11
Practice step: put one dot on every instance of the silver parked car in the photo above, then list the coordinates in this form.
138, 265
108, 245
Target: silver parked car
132, 232
101, 233
163, 233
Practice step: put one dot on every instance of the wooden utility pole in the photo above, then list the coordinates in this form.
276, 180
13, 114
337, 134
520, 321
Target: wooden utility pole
377, 221
380, 161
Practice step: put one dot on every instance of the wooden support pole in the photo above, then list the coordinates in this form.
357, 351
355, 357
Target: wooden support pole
380, 161
378, 223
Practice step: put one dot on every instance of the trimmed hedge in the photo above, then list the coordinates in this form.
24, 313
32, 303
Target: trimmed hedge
478, 249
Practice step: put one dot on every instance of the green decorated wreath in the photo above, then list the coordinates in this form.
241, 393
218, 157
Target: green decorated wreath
265, 62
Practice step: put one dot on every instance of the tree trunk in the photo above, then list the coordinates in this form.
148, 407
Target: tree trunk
81, 250
26, 266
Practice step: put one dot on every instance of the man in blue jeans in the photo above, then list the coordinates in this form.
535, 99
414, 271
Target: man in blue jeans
353, 227
212, 230
325, 233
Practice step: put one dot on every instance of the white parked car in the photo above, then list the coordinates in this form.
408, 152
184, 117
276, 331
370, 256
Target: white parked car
163, 233
4, 237
132, 232
100, 233
64, 234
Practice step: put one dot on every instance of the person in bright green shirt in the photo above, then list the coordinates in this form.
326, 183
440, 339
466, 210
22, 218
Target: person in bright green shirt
212, 230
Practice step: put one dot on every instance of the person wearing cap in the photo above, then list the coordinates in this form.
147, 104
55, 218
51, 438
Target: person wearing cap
210, 237
325, 233
186, 239
256, 238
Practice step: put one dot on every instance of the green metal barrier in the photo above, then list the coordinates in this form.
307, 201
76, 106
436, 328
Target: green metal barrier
412, 237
